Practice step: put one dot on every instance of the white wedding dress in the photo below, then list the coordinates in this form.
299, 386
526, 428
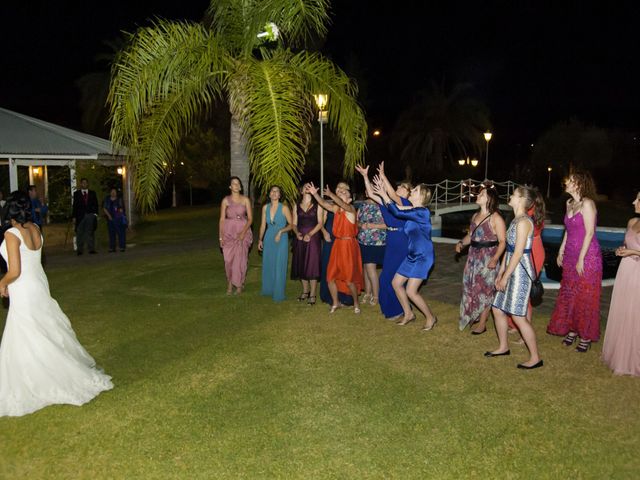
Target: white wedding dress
41, 361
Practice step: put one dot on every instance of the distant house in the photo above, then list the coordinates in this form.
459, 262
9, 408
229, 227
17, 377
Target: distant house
36, 144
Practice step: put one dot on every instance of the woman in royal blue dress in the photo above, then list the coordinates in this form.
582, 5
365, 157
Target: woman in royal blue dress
397, 243
274, 245
416, 266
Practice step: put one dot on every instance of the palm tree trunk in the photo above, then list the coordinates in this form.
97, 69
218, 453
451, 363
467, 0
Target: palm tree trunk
239, 157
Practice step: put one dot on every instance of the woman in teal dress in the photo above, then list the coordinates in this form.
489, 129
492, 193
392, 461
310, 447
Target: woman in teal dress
274, 245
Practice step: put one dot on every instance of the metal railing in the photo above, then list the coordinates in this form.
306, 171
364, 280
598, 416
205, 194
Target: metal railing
448, 193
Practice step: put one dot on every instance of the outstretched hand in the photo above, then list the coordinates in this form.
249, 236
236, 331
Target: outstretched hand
364, 171
381, 170
310, 188
327, 191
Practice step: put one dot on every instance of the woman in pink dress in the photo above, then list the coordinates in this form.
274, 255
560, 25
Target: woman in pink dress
236, 217
621, 350
577, 311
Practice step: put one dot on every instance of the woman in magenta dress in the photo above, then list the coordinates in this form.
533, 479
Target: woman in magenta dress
235, 235
305, 263
621, 349
577, 311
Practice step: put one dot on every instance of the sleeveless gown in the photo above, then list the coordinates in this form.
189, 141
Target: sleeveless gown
236, 253
394, 254
345, 263
621, 349
305, 262
577, 307
478, 280
275, 256
41, 361
325, 295
515, 299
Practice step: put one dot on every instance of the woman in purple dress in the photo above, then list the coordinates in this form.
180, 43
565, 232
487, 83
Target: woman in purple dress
577, 310
235, 235
305, 264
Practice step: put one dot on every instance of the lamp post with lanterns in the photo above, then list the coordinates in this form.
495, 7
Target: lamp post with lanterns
549, 182
487, 137
321, 101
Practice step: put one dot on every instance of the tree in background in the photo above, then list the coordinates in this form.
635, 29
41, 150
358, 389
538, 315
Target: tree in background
441, 125
170, 75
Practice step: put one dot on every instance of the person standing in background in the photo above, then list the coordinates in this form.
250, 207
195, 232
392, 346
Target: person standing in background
39, 209
85, 214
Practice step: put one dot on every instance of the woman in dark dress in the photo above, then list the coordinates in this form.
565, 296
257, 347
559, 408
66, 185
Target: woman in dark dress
305, 264
415, 268
397, 245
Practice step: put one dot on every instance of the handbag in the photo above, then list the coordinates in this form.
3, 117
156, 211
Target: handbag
537, 289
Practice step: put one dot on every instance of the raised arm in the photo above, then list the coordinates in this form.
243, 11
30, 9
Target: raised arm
367, 183
313, 190
347, 207
388, 186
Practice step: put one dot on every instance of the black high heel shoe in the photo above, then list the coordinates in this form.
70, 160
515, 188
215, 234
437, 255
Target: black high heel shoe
583, 346
303, 296
311, 300
569, 339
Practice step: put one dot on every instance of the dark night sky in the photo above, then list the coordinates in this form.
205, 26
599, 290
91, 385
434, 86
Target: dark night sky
534, 63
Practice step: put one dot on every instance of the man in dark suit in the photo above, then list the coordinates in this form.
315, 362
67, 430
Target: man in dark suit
85, 213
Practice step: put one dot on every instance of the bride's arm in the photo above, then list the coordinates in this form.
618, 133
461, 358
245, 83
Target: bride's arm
13, 261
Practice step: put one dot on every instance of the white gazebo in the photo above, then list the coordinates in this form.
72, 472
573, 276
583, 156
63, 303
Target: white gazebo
27, 141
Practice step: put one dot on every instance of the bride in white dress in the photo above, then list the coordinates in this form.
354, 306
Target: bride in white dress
41, 361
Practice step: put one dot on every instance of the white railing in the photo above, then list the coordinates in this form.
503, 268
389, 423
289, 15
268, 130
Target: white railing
451, 192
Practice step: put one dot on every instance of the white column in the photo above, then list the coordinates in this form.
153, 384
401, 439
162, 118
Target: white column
72, 177
13, 175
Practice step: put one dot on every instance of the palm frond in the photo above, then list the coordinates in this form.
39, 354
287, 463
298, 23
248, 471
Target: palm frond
275, 114
168, 75
239, 22
345, 116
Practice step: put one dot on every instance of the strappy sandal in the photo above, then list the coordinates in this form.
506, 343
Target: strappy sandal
311, 300
303, 296
373, 300
569, 340
583, 346
334, 308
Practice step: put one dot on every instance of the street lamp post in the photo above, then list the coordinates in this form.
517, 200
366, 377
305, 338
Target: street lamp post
487, 137
321, 102
549, 182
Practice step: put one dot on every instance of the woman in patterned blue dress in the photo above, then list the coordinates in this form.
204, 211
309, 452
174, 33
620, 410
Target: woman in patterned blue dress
396, 249
274, 245
515, 278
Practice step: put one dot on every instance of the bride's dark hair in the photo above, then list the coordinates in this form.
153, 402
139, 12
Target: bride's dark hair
19, 207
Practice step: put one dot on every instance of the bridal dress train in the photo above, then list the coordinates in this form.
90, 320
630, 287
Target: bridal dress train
41, 361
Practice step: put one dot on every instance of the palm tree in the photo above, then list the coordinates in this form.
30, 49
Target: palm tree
441, 124
171, 73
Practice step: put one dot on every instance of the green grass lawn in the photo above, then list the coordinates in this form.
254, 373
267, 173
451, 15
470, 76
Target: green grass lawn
210, 386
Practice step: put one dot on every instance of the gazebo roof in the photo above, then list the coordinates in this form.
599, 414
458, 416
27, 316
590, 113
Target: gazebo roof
22, 136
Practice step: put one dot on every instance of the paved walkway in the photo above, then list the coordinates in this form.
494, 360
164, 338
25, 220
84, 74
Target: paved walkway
444, 285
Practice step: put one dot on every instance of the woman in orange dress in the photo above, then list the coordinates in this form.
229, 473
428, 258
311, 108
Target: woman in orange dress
344, 272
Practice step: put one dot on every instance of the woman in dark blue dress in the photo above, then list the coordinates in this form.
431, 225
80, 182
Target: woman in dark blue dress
397, 247
415, 268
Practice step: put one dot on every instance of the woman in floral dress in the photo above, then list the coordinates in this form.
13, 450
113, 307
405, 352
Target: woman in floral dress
486, 240
372, 237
